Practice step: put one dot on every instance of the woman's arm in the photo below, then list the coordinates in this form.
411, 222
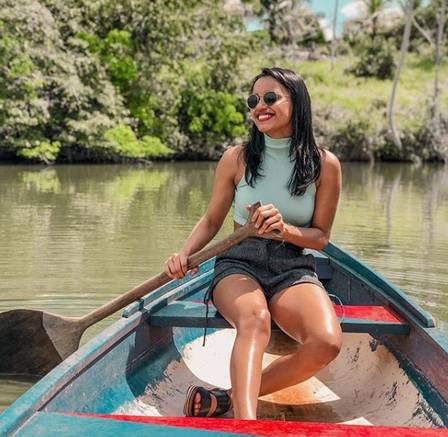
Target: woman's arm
210, 223
327, 196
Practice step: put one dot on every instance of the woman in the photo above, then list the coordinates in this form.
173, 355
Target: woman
269, 278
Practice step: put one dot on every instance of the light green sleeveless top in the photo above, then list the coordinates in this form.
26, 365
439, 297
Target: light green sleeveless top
272, 187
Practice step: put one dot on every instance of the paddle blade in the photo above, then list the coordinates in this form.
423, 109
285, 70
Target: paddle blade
32, 342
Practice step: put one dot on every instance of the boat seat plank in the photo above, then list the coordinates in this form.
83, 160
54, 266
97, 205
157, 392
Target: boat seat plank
353, 318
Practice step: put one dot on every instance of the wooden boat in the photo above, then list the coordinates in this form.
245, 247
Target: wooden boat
391, 377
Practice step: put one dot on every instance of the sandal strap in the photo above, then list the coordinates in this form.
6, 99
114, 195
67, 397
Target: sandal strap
214, 402
223, 401
213, 406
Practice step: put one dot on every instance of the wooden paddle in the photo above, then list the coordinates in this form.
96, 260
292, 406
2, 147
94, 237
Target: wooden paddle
32, 342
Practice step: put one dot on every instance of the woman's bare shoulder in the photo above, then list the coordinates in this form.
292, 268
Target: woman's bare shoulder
234, 152
232, 161
330, 166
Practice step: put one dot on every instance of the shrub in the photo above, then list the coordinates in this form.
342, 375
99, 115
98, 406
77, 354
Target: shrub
42, 151
354, 140
375, 58
124, 142
208, 115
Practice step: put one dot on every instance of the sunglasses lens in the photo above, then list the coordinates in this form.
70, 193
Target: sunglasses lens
270, 98
252, 101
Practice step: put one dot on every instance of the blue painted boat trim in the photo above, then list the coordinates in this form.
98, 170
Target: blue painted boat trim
56, 424
203, 275
403, 303
43, 391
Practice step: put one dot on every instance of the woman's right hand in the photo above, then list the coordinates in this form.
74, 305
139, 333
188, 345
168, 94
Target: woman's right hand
176, 266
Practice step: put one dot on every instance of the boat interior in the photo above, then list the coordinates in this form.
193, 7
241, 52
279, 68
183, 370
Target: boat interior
143, 364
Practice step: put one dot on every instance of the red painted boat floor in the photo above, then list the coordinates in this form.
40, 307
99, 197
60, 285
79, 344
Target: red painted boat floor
271, 428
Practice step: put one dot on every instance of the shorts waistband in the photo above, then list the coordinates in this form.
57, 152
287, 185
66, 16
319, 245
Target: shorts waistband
275, 243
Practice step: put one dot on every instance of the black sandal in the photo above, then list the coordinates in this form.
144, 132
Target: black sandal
214, 402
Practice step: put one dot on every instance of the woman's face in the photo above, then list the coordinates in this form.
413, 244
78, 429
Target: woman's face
274, 120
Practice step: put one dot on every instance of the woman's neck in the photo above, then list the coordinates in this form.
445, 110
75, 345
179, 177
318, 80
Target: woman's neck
277, 143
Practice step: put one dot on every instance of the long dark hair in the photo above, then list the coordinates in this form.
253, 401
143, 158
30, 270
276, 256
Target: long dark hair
303, 149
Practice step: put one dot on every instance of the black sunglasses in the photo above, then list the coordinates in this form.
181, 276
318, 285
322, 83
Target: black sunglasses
269, 98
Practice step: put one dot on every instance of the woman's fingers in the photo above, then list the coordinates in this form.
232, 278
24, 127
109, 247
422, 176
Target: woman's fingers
169, 269
176, 266
181, 263
262, 213
270, 221
173, 266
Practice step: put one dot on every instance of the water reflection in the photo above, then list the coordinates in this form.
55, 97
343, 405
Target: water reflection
73, 237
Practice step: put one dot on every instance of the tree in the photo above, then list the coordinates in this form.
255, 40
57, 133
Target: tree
108, 80
438, 49
374, 10
333, 40
408, 7
288, 21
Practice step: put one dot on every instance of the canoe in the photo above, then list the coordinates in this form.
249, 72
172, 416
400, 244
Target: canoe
391, 377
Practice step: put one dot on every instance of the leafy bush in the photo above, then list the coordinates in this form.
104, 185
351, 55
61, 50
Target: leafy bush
125, 143
354, 139
375, 58
83, 80
208, 115
42, 152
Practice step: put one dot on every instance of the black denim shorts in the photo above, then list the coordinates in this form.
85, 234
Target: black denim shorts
273, 264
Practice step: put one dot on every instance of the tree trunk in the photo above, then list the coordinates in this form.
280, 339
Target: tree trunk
333, 41
409, 9
441, 18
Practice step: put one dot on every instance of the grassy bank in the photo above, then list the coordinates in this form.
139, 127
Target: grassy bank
350, 113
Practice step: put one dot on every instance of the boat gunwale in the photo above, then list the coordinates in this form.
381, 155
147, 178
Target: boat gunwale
41, 393
402, 303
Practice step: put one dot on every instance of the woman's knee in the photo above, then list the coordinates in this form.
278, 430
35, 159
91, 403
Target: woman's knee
326, 346
256, 320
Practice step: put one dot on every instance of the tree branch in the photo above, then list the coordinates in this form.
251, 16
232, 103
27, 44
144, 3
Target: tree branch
422, 31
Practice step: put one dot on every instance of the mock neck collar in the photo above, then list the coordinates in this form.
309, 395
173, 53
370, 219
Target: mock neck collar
277, 143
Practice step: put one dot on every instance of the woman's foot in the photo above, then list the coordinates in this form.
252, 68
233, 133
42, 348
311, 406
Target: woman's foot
202, 402
197, 402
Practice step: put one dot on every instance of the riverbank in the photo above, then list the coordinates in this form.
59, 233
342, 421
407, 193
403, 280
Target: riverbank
105, 86
349, 115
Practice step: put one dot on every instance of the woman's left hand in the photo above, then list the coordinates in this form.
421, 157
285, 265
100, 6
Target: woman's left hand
268, 220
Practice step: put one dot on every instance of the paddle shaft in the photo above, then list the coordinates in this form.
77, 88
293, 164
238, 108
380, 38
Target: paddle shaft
162, 278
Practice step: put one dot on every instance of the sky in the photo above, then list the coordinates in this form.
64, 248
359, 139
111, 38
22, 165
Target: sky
347, 9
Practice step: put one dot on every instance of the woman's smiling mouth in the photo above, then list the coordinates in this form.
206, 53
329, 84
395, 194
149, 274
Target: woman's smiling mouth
265, 116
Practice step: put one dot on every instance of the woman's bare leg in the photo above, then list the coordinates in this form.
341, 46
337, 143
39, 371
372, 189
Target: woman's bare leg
242, 303
305, 313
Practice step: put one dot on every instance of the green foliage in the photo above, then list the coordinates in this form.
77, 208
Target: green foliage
125, 143
375, 58
136, 79
42, 152
207, 114
353, 139
83, 74
54, 92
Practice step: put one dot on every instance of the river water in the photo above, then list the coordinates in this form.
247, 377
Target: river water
73, 237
